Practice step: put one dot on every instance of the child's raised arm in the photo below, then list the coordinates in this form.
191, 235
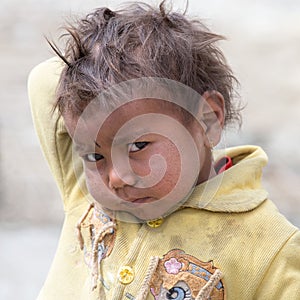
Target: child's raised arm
54, 139
57, 147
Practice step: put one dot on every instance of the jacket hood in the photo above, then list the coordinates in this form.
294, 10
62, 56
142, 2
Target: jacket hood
239, 188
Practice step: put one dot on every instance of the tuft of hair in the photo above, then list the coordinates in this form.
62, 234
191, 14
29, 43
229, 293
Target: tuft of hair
108, 47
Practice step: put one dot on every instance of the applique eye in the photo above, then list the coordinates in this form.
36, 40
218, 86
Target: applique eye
134, 147
178, 293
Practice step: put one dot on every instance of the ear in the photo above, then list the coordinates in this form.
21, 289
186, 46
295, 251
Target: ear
212, 114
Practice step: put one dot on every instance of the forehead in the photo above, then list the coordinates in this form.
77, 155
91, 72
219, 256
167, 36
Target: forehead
135, 115
134, 97
145, 106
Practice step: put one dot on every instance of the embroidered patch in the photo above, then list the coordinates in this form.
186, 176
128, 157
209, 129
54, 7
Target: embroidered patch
181, 276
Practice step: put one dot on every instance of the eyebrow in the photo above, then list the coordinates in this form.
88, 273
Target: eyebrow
79, 147
84, 147
130, 137
97, 144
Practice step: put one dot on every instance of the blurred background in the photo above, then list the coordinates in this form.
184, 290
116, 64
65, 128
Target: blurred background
263, 46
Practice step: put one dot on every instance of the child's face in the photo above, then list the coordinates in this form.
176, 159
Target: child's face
144, 158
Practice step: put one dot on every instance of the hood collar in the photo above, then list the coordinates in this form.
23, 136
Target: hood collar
238, 189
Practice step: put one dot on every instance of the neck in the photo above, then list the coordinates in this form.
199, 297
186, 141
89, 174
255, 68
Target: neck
207, 171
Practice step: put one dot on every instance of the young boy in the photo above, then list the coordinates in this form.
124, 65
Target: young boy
127, 118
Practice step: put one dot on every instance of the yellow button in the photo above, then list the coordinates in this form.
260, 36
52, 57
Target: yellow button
126, 275
155, 223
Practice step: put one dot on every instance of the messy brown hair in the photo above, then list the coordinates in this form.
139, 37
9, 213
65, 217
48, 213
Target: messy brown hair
108, 47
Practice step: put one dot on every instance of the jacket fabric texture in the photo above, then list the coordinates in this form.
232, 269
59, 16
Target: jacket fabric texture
238, 233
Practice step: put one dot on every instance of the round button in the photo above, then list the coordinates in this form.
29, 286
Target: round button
126, 274
155, 223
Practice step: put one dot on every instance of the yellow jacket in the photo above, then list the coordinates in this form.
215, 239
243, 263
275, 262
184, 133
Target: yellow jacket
239, 232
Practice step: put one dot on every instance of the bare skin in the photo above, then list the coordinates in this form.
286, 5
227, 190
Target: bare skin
142, 164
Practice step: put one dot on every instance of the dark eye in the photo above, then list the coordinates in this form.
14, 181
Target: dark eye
134, 147
92, 157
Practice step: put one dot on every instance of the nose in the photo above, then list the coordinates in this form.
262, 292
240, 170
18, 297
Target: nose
117, 180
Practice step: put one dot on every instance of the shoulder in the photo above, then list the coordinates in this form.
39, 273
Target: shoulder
282, 280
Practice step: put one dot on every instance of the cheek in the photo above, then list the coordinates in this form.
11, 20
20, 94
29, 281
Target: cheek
141, 167
172, 158
94, 181
160, 154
